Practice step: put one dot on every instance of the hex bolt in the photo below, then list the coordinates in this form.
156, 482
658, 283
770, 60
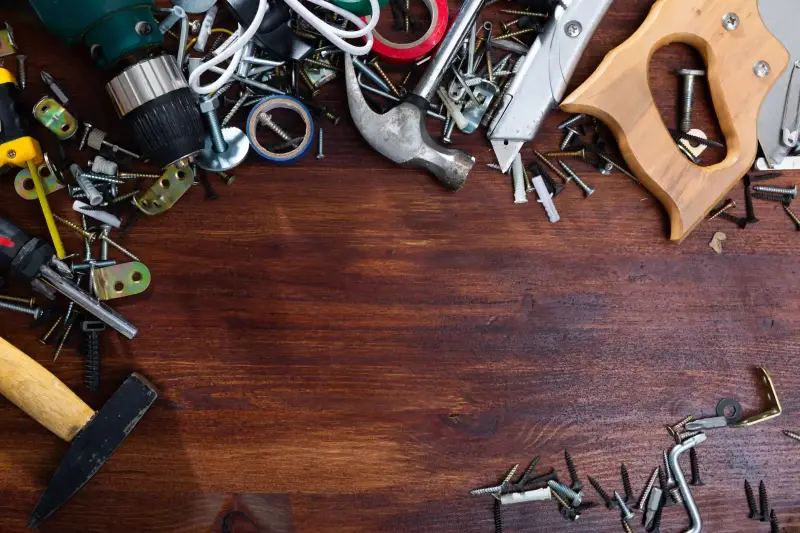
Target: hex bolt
45, 339
567, 493
687, 104
763, 501
627, 515
217, 140
36, 313
30, 302
375, 65
751, 501
587, 190
320, 152
23, 74
791, 193
575, 482
642, 502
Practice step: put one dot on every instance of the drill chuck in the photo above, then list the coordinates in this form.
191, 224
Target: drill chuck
156, 104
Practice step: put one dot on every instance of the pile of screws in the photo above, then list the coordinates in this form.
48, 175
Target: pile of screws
784, 196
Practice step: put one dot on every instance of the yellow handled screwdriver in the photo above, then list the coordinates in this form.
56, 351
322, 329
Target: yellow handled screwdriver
18, 148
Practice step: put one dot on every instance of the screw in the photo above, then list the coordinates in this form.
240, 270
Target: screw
763, 500
35, 313
566, 492
527, 474
667, 471
69, 323
87, 129
640, 505
572, 121
322, 64
320, 153
30, 302
508, 477
247, 93
118, 247
675, 495
138, 175
575, 482
498, 517
603, 494
687, 104
566, 509
627, 515
792, 435
768, 197
507, 25
23, 74
551, 166
751, 500
375, 65
742, 223
447, 130
265, 119
619, 168
696, 481
682, 424
226, 178
748, 201
121, 198
578, 154
523, 13
571, 134
774, 526
517, 33
792, 193
587, 190
626, 482
45, 339
626, 527
90, 347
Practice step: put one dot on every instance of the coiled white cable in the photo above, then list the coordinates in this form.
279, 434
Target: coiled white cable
233, 46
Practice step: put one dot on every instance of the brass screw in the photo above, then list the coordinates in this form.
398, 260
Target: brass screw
510, 23
551, 166
63, 340
729, 204
227, 179
30, 302
76, 228
307, 81
137, 175
517, 33
374, 64
322, 64
578, 154
49, 333
793, 216
122, 198
406, 78
523, 13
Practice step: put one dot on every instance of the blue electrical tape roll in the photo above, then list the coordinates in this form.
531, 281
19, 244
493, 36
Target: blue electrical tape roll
280, 102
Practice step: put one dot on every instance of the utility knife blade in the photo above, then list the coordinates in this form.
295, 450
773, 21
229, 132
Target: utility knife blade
783, 101
543, 76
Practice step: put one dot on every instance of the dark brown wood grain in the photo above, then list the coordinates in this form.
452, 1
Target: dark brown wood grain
341, 345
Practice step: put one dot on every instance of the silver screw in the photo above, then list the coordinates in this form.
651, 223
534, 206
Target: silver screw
248, 92
23, 75
762, 69
320, 153
642, 503
668, 471
105, 232
627, 515
675, 494
730, 21
217, 140
565, 492
36, 313
687, 104
447, 130
573, 29
792, 193
265, 119
87, 129
587, 190
570, 135
572, 121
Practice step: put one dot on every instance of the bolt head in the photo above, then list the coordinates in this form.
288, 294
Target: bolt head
209, 105
320, 156
38, 313
690, 72
730, 21
762, 69
573, 29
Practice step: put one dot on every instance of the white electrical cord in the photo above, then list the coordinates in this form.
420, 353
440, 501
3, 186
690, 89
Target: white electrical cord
232, 49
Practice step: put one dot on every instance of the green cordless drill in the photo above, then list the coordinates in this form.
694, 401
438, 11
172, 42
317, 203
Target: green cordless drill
147, 86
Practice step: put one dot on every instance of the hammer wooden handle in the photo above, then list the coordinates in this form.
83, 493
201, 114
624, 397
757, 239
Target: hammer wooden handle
29, 386
619, 94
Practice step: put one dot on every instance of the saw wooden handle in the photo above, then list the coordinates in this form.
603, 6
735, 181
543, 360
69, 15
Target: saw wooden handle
32, 388
619, 94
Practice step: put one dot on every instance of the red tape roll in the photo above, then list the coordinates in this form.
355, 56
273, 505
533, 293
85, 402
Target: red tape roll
414, 51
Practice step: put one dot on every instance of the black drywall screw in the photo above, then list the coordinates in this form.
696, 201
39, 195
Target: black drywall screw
498, 517
748, 202
211, 194
696, 481
771, 197
742, 223
527, 474
751, 500
763, 500
626, 482
765, 177
774, 526
576, 484
603, 494
662, 480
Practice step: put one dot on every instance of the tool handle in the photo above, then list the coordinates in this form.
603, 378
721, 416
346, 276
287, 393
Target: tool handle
14, 121
32, 388
619, 94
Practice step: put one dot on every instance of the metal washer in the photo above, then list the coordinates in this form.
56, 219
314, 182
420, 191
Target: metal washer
238, 147
737, 410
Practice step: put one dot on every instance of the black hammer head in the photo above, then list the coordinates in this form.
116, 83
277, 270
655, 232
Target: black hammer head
95, 443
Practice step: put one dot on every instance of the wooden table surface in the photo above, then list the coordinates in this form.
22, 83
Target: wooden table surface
341, 345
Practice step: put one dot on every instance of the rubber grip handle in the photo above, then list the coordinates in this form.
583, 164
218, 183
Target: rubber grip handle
13, 121
32, 388
619, 94
12, 239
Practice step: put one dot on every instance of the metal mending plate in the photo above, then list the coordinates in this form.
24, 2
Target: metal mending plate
122, 280
53, 116
166, 191
23, 183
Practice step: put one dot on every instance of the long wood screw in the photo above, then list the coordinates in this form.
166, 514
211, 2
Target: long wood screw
375, 65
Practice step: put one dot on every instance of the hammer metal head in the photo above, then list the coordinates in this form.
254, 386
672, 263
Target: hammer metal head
95, 443
401, 136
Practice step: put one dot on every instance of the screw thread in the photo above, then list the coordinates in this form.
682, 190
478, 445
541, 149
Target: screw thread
495, 105
486, 490
23, 74
19, 308
626, 482
375, 65
792, 435
675, 494
237, 106
510, 474
771, 197
736, 220
137, 175
266, 120
640, 505
320, 152
94, 176
572, 121
657, 519
688, 104
119, 247
523, 13
751, 500
695, 467
121, 198
566, 492
447, 130
498, 517
774, 526
558, 172
557, 497
687, 435
64, 338
517, 33
662, 480
573, 472
77, 229
568, 138
578, 154
763, 501
322, 64
30, 302
626, 513
682, 424
214, 128
626, 527
587, 190
775, 190
730, 204
668, 471
528, 471
45, 339
602, 493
